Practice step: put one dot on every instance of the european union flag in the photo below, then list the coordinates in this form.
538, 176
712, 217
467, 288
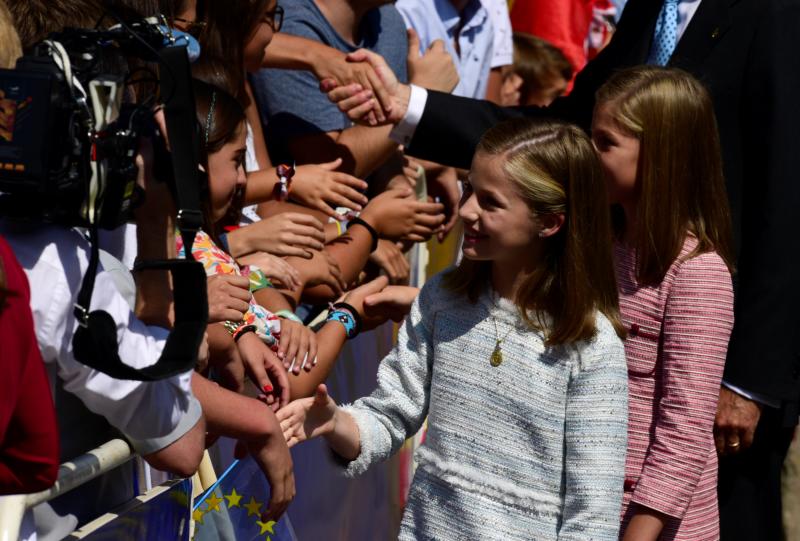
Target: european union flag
230, 510
163, 514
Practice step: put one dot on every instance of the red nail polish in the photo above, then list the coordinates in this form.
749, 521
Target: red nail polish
267, 388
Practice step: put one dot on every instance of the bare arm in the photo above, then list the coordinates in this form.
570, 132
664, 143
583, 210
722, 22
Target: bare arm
361, 148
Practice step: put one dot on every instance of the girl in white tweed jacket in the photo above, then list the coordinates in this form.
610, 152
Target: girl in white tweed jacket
514, 357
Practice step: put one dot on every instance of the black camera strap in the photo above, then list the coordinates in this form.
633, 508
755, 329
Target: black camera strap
95, 341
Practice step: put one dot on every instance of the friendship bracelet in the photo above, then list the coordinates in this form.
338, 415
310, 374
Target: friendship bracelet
347, 320
284, 185
288, 314
372, 232
344, 307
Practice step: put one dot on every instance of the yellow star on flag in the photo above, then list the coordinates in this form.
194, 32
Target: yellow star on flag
253, 508
266, 526
197, 515
233, 498
213, 502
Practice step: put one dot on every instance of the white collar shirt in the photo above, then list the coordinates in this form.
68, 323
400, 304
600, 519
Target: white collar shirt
150, 414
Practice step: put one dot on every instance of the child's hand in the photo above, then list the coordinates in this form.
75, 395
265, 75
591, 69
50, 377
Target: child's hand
320, 269
274, 268
265, 370
308, 418
284, 234
393, 302
298, 346
392, 261
395, 215
228, 297
322, 188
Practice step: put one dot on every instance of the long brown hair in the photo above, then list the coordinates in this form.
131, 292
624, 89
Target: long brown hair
680, 180
556, 170
218, 126
229, 25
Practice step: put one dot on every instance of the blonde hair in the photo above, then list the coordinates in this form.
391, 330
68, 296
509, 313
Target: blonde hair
10, 45
680, 179
555, 169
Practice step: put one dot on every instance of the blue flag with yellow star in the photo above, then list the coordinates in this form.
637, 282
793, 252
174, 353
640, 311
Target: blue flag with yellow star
230, 510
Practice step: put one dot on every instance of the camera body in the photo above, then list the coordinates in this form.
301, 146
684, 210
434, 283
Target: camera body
68, 136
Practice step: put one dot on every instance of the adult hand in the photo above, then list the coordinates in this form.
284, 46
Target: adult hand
284, 234
321, 187
435, 69
265, 370
393, 302
272, 456
228, 297
297, 347
340, 70
395, 215
736, 422
358, 103
388, 257
274, 268
308, 418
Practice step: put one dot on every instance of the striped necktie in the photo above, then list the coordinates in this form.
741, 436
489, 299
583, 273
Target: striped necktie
666, 35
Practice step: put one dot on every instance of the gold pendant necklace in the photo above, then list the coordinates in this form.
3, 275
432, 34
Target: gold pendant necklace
496, 358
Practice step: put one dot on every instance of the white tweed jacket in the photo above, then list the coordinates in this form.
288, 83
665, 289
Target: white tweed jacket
532, 449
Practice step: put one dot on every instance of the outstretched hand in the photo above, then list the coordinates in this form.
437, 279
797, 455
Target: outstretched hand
434, 69
321, 187
308, 418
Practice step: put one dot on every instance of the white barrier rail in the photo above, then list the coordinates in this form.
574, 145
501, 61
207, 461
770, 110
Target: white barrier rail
70, 475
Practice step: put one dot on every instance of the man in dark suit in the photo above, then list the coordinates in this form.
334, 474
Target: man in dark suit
745, 51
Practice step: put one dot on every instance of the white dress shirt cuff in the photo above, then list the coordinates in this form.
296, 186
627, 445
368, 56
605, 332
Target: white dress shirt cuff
403, 132
750, 395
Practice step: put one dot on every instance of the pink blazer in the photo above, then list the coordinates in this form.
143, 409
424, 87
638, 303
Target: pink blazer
677, 341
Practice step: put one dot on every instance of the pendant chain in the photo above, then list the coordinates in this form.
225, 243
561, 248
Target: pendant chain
496, 359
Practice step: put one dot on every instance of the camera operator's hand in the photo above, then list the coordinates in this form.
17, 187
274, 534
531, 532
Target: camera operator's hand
395, 215
274, 268
228, 297
265, 370
285, 234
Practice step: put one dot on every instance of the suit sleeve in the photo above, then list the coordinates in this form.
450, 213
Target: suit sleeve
764, 353
452, 126
697, 324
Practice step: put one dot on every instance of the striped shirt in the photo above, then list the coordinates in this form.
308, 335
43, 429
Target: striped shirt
678, 339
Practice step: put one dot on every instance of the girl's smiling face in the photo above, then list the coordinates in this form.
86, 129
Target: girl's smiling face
498, 224
226, 174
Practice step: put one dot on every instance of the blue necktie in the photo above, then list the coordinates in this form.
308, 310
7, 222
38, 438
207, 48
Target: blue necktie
666, 36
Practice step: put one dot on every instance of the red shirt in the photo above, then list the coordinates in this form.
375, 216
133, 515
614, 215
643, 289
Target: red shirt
28, 432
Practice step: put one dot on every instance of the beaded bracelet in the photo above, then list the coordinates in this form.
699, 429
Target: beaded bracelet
347, 320
347, 316
288, 314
